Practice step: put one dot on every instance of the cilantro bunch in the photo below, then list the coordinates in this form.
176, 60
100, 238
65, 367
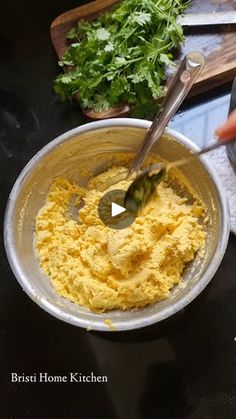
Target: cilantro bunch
121, 56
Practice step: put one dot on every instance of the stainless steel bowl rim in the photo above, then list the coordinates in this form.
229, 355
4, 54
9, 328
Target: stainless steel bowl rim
133, 323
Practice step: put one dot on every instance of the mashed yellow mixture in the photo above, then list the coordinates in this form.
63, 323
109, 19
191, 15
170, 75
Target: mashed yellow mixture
104, 269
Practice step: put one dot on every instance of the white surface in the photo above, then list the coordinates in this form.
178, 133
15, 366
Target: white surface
116, 209
227, 174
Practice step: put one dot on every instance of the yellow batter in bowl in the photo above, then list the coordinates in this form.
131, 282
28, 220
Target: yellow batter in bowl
105, 269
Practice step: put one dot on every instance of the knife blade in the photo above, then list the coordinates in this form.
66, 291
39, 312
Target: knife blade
202, 19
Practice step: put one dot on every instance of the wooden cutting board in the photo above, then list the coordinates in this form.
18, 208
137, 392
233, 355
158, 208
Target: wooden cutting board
218, 44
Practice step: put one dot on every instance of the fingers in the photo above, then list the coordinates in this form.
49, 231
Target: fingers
227, 131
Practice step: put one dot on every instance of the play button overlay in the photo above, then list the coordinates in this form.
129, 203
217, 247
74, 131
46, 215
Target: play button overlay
116, 209
112, 212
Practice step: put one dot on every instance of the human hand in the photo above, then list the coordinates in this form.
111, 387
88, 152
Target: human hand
227, 131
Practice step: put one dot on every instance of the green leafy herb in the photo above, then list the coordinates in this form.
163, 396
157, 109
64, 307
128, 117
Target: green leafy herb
121, 56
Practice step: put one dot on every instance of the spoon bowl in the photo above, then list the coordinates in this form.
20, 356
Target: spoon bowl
143, 188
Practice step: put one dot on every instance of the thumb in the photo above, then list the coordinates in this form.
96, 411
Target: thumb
227, 131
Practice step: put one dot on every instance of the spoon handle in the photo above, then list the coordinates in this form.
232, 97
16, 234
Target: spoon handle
214, 146
211, 147
182, 82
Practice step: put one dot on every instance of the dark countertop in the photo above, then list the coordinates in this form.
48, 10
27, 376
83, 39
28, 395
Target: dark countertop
182, 368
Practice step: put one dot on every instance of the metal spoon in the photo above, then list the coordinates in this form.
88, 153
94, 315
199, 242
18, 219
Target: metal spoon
182, 82
143, 188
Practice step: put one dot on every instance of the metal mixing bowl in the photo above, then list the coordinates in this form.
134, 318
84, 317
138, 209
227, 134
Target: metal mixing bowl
93, 146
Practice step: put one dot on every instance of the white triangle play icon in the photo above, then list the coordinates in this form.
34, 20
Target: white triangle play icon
116, 209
